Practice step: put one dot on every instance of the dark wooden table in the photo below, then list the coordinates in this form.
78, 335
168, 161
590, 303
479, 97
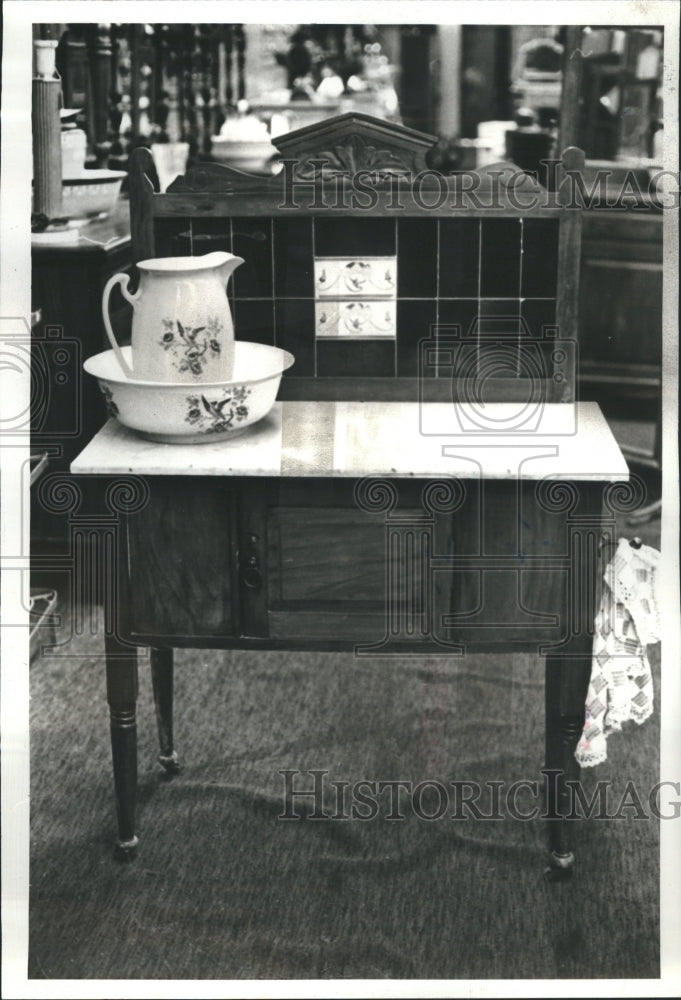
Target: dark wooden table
68, 278
370, 527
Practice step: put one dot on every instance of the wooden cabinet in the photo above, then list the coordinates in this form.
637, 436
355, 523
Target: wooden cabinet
620, 302
303, 563
352, 545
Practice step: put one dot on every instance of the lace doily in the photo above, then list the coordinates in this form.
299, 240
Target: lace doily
628, 620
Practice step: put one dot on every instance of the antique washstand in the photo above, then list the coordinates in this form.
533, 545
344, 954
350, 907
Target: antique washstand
425, 484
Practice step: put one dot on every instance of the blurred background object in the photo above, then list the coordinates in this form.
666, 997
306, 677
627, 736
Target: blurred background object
143, 84
47, 167
538, 76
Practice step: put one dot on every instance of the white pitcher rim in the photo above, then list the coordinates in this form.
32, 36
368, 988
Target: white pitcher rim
199, 262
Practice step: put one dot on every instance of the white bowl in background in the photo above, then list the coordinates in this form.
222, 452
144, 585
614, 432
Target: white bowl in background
94, 192
181, 413
247, 155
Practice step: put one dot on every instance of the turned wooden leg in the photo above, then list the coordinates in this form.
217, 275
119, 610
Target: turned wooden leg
567, 681
162, 683
121, 693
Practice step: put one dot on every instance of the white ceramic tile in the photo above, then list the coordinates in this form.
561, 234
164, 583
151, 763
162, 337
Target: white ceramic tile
342, 277
355, 318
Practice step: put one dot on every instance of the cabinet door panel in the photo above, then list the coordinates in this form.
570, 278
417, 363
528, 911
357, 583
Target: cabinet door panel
515, 560
181, 559
326, 573
325, 557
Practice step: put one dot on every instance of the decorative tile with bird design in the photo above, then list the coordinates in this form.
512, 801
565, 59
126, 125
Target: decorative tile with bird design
352, 318
353, 277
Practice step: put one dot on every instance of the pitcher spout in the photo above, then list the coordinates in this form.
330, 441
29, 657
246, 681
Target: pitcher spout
225, 263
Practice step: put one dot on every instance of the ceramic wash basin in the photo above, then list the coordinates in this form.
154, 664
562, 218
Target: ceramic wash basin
179, 413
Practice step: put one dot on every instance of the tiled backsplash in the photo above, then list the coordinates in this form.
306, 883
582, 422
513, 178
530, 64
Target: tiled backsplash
480, 277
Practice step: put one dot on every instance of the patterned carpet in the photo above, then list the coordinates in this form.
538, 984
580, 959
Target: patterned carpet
223, 888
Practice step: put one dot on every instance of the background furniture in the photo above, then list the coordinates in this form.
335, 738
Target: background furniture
277, 543
620, 314
143, 83
620, 108
67, 283
620, 324
150, 81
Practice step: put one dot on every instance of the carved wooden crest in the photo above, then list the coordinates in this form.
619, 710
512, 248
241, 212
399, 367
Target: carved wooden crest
354, 142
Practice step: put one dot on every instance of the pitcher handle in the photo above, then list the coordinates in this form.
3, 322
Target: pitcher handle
123, 280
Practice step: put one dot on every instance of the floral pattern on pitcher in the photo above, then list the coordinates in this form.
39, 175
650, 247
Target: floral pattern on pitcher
213, 416
192, 346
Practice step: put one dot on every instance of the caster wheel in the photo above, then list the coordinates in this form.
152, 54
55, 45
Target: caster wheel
126, 850
560, 867
171, 764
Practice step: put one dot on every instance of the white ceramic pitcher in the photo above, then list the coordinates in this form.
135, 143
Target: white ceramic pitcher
182, 328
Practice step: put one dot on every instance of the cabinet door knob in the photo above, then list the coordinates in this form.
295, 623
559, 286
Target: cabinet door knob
251, 575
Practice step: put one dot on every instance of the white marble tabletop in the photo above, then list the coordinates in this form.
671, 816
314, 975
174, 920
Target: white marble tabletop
336, 439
